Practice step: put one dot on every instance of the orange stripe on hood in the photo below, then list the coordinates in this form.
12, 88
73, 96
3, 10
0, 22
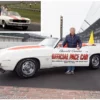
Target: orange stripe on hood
23, 18
25, 47
14, 17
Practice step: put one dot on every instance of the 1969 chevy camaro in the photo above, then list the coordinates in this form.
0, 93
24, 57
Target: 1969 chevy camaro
10, 18
27, 60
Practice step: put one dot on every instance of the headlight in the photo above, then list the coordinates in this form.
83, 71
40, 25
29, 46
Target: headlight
28, 21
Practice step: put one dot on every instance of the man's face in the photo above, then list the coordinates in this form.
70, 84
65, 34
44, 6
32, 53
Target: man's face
72, 31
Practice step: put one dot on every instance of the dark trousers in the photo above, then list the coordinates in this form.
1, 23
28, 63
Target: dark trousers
71, 68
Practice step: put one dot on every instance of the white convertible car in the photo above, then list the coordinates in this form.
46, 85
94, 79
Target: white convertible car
10, 18
27, 60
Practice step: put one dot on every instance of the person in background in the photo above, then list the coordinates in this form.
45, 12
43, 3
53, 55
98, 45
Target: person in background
30, 5
2, 8
6, 8
72, 41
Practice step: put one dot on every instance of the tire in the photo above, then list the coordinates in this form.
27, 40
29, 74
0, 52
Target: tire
95, 62
4, 24
24, 70
24, 27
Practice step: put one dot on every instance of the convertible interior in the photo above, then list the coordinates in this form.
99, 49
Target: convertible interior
83, 44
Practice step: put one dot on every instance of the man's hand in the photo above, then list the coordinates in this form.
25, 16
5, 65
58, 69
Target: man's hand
78, 47
60, 45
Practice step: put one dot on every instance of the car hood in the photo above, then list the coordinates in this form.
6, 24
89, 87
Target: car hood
26, 51
18, 18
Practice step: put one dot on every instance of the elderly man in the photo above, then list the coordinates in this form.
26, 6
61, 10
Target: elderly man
72, 41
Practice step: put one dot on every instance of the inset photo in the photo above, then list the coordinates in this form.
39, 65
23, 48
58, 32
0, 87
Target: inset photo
20, 15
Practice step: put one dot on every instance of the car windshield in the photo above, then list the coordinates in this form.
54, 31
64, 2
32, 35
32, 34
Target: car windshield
49, 42
10, 13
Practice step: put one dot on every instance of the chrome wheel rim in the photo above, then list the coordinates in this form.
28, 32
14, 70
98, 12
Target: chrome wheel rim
3, 25
95, 61
28, 68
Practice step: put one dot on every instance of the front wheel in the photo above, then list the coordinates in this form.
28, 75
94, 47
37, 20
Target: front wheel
4, 24
95, 62
27, 68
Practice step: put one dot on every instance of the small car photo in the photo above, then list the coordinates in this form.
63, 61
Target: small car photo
11, 18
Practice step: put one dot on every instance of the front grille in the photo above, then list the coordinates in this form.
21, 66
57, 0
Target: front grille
20, 21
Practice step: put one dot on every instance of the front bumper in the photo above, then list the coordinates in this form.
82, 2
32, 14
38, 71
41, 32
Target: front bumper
17, 24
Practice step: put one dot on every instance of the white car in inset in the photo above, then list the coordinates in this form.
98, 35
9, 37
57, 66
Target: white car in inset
11, 18
27, 60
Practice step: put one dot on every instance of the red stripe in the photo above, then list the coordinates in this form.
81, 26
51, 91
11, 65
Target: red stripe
14, 17
23, 18
24, 47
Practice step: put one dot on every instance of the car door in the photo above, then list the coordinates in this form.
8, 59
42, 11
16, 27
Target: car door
70, 57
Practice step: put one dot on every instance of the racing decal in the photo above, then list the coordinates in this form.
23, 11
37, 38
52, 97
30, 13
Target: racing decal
14, 17
70, 56
24, 47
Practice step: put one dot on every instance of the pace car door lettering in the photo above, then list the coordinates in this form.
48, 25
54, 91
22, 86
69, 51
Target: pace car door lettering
72, 57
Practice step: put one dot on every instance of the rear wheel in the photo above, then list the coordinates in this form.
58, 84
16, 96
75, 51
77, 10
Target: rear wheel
27, 68
24, 27
95, 62
4, 24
